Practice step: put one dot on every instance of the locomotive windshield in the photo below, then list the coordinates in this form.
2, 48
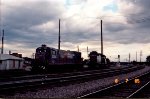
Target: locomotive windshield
40, 50
43, 48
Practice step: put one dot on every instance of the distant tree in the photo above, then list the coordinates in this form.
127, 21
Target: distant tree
107, 60
134, 62
148, 58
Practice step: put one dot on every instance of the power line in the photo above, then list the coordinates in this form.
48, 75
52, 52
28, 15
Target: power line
139, 20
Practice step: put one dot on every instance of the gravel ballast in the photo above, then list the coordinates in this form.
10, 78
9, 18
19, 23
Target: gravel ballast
76, 90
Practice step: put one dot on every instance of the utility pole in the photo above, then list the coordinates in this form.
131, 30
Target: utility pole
33, 55
118, 58
59, 37
59, 42
101, 38
9, 52
87, 51
140, 55
129, 57
1, 30
78, 48
2, 42
136, 56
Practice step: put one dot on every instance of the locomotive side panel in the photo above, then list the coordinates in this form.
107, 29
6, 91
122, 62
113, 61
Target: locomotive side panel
53, 59
77, 57
99, 59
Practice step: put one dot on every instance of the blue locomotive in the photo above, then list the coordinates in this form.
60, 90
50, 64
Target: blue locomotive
48, 58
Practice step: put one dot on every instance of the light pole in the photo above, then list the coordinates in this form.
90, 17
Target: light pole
101, 38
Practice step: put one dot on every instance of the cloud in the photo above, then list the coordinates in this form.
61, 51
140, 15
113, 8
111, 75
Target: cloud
32, 23
24, 21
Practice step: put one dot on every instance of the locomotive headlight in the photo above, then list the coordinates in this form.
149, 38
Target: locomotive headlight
43, 67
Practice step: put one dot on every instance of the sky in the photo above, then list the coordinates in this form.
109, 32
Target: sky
30, 23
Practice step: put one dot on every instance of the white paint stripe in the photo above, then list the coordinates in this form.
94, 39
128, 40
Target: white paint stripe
138, 90
110, 86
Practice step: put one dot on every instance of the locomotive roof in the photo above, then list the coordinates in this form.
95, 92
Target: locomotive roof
44, 46
95, 52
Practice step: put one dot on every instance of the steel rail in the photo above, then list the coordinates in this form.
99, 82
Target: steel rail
138, 90
112, 86
45, 79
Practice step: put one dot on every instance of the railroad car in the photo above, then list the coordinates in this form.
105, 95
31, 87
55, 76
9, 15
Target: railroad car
98, 60
48, 58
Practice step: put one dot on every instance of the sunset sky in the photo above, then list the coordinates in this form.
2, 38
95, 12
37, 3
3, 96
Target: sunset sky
30, 23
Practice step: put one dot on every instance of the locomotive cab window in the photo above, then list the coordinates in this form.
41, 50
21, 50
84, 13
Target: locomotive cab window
53, 52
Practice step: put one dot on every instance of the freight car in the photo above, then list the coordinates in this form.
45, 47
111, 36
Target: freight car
48, 58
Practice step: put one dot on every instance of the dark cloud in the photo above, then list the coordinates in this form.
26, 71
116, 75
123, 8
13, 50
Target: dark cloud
31, 13
139, 15
18, 21
115, 27
23, 24
137, 28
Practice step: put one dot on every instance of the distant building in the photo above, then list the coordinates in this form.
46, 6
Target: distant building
148, 58
8, 62
27, 61
17, 55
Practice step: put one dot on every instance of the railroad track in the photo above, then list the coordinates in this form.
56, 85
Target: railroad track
35, 76
137, 87
143, 92
40, 80
2, 79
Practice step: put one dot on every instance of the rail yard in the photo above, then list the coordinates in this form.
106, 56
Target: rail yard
74, 49
77, 84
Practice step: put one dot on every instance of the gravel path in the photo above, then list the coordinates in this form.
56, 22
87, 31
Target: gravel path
76, 90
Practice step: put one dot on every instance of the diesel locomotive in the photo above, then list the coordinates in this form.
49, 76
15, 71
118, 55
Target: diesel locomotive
48, 58
98, 60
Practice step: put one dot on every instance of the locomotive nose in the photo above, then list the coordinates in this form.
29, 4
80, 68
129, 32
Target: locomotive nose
39, 56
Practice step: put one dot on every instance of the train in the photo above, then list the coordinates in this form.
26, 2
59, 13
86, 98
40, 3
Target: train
98, 60
48, 58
